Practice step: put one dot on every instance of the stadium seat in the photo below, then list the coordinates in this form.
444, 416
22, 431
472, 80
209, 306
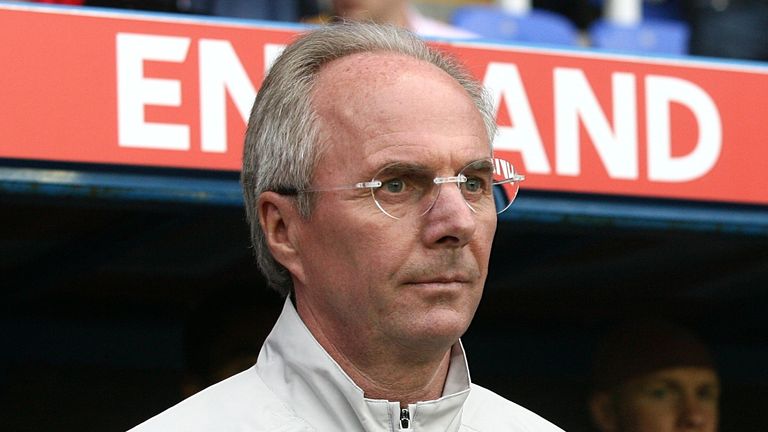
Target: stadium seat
536, 26
653, 36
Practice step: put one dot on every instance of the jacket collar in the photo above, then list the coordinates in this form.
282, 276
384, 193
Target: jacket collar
305, 377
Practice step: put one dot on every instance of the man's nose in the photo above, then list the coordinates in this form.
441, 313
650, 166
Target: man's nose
451, 222
693, 413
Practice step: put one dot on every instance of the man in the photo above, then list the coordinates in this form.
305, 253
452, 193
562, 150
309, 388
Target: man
652, 376
367, 176
396, 12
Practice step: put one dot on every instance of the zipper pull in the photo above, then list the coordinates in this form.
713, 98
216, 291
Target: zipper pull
405, 419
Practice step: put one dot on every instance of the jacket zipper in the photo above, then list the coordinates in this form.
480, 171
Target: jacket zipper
405, 419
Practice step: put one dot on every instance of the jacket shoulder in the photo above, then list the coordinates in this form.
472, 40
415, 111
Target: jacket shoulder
484, 411
242, 402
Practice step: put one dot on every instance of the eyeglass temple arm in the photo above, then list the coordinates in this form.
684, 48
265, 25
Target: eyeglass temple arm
514, 179
294, 191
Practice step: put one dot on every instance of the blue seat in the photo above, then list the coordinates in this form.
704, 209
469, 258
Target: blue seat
653, 36
536, 26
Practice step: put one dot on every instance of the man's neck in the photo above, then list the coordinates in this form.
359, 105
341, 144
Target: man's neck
405, 382
386, 372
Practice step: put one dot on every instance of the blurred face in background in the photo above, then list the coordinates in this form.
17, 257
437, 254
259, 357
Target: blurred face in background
378, 11
670, 400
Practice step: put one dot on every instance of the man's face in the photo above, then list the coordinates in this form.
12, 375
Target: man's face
671, 400
379, 11
369, 281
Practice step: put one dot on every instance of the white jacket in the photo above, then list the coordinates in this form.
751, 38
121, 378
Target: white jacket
296, 386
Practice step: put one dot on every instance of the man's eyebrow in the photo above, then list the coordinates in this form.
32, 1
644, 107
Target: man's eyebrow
403, 167
481, 165
709, 386
654, 382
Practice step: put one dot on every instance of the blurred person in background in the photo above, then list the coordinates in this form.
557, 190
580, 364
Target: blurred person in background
396, 12
653, 376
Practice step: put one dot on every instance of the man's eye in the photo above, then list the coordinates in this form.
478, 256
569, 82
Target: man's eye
394, 186
708, 393
474, 185
661, 392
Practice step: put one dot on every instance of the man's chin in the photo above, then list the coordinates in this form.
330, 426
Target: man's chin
440, 329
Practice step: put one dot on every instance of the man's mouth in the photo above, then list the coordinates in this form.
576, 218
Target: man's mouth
440, 280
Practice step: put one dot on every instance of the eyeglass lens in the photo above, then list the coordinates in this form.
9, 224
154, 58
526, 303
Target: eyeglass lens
411, 190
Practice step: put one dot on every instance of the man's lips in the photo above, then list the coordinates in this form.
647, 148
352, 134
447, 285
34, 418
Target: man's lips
440, 280
446, 270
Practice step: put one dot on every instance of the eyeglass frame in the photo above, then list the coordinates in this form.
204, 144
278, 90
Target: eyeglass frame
439, 181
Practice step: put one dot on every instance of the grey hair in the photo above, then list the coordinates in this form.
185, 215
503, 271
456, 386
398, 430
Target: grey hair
281, 142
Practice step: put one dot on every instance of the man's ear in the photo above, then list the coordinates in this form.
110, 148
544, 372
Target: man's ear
279, 219
603, 409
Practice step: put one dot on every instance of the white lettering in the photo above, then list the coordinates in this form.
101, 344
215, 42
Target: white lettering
574, 101
134, 91
221, 74
504, 80
662, 166
271, 53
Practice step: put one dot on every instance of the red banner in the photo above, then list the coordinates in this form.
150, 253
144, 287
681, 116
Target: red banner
160, 90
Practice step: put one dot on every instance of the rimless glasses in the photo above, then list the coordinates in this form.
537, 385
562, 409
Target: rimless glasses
402, 189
